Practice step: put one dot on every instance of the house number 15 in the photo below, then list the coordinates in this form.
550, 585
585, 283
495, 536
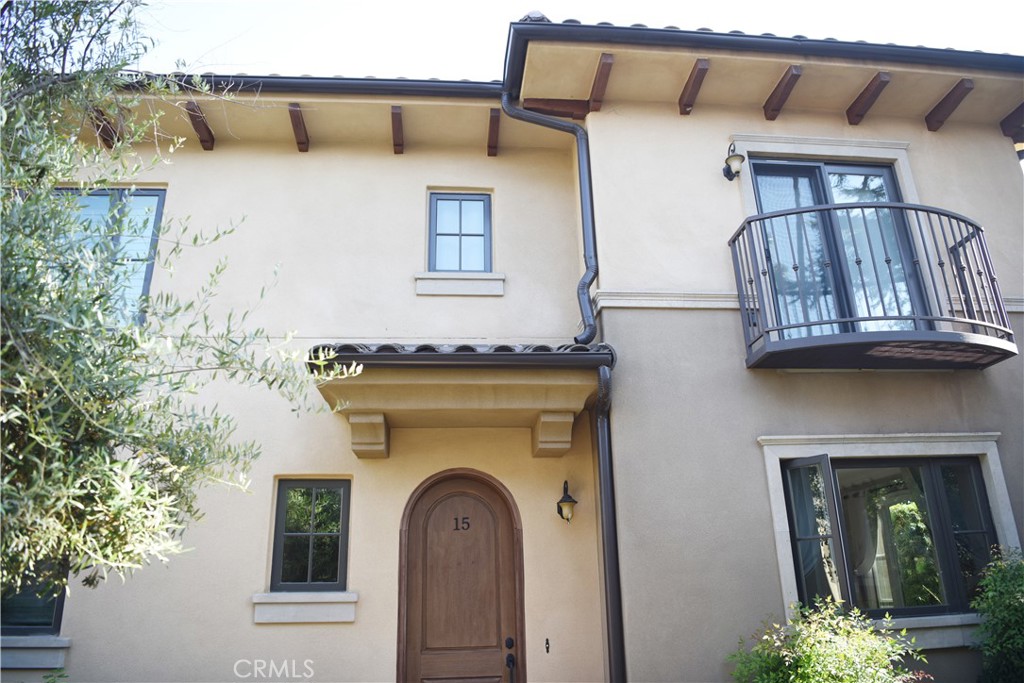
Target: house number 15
461, 524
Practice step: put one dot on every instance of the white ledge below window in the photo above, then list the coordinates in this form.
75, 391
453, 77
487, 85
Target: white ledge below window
304, 608
460, 284
939, 631
33, 652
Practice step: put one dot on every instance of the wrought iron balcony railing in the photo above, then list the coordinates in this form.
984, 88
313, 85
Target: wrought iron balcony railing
880, 285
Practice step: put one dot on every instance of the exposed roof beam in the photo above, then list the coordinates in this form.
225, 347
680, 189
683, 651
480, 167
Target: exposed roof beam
199, 124
105, 129
577, 109
942, 111
397, 133
777, 100
298, 127
1013, 124
860, 106
492, 132
604, 70
688, 97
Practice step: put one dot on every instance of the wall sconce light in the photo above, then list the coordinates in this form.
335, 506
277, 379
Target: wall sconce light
733, 163
566, 504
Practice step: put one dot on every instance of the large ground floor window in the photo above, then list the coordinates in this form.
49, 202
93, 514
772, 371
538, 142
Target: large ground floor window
898, 524
903, 536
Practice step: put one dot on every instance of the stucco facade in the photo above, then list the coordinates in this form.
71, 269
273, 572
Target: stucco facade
680, 540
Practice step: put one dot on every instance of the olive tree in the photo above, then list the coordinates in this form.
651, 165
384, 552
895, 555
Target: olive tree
105, 435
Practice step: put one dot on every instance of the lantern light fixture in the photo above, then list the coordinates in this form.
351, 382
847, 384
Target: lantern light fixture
566, 504
733, 163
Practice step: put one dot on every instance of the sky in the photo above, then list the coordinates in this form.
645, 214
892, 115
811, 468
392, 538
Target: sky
465, 39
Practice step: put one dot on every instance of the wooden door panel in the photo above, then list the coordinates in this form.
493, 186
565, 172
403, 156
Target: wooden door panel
461, 581
462, 567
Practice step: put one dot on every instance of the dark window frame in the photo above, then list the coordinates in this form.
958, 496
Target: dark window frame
943, 530
118, 196
344, 486
433, 235
817, 172
53, 628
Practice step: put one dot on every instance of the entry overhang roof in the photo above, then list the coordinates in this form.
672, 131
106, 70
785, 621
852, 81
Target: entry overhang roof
532, 386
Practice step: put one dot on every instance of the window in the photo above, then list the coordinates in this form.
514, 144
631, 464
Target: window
853, 265
460, 232
311, 535
131, 220
904, 536
28, 613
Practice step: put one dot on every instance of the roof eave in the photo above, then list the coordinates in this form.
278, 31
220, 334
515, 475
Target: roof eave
521, 33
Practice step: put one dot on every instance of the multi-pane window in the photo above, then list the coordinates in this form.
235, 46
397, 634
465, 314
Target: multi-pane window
130, 220
311, 535
29, 613
460, 232
903, 536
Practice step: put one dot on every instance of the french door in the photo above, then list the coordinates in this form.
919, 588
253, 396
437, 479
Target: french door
844, 269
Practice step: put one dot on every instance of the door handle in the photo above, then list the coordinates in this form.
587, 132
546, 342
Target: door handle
510, 662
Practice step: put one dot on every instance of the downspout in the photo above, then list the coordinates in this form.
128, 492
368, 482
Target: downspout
586, 207
609, 532
602, 405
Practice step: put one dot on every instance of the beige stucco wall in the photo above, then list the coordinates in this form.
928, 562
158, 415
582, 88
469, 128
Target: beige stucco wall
697, 543
192, 619
665, 212
347, 228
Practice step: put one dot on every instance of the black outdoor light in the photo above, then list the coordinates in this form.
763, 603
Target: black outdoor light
733, 163
566, 504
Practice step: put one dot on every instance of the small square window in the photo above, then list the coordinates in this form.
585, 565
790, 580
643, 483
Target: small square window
311, 535
460, 232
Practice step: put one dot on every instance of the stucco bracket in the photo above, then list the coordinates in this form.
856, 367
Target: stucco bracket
552, 434
369, 434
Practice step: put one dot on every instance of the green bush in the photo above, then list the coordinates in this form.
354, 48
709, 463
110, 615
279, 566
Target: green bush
1000, 602
824, 644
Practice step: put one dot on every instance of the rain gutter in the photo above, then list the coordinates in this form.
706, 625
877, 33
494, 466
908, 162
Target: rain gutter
616, 647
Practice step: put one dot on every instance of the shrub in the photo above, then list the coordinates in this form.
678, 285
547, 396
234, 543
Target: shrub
1000, 603
824, 644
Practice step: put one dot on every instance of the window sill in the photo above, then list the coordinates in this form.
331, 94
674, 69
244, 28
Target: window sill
460, 284
304, 608
940, 631
33, 652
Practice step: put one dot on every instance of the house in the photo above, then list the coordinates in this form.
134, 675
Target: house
749, 301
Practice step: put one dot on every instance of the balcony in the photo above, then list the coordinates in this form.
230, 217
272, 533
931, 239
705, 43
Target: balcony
874, 285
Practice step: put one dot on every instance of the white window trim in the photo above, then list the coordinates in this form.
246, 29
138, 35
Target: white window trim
451, 283
293, 607
931, 632
33, 652
890, 152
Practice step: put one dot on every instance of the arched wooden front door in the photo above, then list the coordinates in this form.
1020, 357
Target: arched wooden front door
461, 582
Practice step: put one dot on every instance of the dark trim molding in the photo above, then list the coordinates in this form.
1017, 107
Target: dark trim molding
355, 86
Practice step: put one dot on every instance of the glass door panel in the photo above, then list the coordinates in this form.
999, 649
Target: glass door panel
874, 258
797, 251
